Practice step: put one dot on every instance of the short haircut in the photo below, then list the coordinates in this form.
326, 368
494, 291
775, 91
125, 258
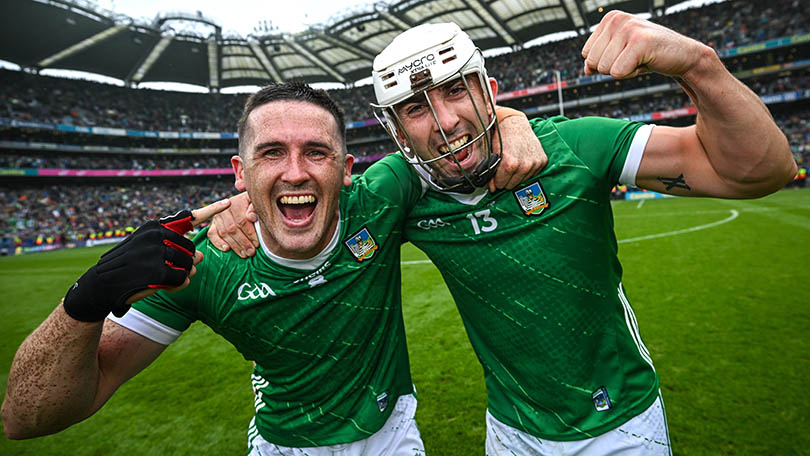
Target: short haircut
291, 91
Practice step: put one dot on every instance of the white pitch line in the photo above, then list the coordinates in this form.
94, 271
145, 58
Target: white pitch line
640, 203
734, 214
416, 262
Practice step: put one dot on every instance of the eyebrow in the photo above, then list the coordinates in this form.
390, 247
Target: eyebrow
416, 98
268, 144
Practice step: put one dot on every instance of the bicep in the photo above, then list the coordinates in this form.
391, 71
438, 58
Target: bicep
676, 163
122, 354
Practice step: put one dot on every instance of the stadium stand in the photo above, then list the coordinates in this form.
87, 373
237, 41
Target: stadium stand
56, 134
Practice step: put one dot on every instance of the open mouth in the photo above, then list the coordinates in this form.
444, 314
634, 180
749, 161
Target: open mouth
460, 154
297, 209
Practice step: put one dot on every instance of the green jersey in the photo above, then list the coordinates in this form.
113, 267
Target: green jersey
329, 343
536, 278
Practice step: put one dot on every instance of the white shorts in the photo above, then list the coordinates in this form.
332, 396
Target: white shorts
644, 435
399, 436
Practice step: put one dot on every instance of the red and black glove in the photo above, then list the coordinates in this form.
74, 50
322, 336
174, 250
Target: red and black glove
157, 255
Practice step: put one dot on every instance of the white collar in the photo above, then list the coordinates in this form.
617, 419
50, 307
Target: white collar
470, 199
306, 264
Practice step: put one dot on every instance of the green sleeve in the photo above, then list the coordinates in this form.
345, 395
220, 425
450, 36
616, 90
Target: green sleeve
395, 180
176, 309
600, 142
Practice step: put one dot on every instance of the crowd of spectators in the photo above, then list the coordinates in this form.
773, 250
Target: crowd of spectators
721, 25
796, 126
78, 211
66, 160
374, 148
28, 97
81, 211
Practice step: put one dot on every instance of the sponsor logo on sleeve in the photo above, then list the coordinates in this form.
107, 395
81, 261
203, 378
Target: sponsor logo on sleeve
532, 199
362, 245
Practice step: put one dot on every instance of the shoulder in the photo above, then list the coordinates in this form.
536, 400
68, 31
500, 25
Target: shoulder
391, 179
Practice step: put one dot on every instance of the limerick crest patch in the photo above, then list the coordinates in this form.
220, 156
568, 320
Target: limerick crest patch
531, 199
382, 401
362, 245
601, 400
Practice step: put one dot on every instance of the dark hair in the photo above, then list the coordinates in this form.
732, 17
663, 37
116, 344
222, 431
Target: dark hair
295, 91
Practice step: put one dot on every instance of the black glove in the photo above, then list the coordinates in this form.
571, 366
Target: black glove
157, 255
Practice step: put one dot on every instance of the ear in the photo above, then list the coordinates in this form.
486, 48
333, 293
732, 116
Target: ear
493, 85
238, 170
347, 170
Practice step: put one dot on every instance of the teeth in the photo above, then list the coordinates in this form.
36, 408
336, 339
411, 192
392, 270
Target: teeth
454, 145
297, 199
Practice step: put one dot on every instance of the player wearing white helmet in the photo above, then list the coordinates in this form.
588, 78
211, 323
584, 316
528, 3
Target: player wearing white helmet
407, 73
543, 303
565, 367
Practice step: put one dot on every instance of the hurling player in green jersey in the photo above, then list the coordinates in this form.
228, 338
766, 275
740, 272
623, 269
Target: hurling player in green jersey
317, 309
543, 304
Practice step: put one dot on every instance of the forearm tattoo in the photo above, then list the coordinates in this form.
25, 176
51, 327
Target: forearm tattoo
676, 182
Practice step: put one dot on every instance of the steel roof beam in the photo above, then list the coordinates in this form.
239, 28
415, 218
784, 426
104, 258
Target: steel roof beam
576, 12
214, 74
314, 59
343, 44
383, 11
489, 18
265, 61
82, 45
150, 60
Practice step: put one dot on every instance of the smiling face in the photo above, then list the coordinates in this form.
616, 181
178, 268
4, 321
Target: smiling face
292, 164
457, 117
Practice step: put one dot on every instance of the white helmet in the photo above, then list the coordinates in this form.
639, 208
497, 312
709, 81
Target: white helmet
416, 61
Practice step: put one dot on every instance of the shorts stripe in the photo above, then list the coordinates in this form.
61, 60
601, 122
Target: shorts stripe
632, 326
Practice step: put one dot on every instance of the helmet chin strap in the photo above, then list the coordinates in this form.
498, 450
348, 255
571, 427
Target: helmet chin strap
469, 182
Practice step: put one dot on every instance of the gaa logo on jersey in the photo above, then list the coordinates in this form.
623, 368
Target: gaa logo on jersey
362, 245
601, 400
531, 199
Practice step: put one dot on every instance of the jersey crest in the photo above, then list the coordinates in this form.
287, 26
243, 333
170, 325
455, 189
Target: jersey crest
362, 245
382, 401
601, 400
532, 199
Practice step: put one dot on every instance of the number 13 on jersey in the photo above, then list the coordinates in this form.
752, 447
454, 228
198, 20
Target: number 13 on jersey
486, 224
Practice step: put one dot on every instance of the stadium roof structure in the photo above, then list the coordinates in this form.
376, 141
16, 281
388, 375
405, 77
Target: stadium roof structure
78, 35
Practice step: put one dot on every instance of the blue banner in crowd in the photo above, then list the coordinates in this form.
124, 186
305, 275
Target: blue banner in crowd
756, 47
645, 195
740, 50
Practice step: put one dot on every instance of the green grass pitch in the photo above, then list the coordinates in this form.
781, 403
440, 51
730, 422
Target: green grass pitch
720, 296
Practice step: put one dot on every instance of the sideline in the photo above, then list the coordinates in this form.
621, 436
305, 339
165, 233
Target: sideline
734, 214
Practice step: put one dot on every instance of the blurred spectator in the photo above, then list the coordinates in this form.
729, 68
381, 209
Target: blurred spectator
28, 97
77, 211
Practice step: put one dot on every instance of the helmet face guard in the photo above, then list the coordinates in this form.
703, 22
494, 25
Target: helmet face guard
414, 64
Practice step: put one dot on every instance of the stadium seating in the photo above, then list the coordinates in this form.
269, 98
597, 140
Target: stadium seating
61, 124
